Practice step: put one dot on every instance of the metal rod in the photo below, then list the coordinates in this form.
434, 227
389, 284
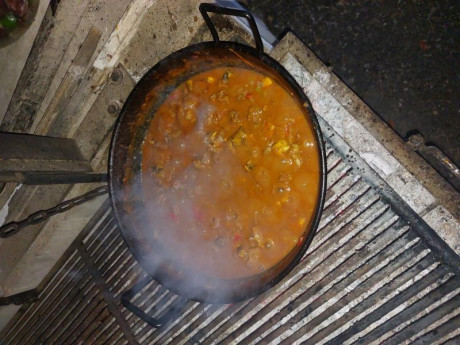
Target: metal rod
108, 297
40, 178
20, 298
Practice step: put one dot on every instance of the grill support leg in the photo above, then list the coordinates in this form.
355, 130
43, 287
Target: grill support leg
164, 318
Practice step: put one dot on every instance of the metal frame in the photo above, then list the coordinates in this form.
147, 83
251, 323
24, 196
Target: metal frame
37, 160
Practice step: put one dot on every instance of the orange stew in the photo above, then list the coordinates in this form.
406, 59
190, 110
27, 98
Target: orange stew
230, 173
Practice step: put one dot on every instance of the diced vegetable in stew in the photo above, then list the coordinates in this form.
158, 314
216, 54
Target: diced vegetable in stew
230, 172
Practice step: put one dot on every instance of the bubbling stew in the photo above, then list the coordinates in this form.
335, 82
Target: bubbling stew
230, 173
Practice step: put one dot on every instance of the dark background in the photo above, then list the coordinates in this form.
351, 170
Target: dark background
401, 57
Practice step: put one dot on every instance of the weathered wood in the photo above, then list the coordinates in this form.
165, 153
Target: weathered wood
100, 119
48, 63
14, 57
25, 201
78, 106
46, 55
70, 82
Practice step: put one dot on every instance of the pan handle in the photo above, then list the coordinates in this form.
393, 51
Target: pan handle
206, 7
165, 317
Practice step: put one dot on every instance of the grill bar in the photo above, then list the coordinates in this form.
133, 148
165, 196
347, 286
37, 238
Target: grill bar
426, 326
324, 290
408, 300
341, 186
109, 268
363, 211
442, 251
58, 321
367, 278
389, 297
85, 321
99, 335
442, 292
332, 161
451, 338
261, 301
189, 314
51, 308
76, 312
28, 319
100, 284
105, 246
302, 314
94, 242
207, 313
355, 309
341, 205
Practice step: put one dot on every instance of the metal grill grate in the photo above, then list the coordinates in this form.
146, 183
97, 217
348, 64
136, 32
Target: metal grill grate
368, 278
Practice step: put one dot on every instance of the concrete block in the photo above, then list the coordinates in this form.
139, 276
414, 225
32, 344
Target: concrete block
446, 226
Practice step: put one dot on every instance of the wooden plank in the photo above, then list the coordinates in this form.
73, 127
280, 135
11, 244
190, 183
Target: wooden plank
69, 83
50, 45
105, 16
25, 201
99, 121
20, 50
52, 55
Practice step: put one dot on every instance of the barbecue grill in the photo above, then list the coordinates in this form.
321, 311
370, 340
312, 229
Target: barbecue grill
382, 268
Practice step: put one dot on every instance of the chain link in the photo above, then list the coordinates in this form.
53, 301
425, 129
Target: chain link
13, 228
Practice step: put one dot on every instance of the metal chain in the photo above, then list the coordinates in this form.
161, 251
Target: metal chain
12, 228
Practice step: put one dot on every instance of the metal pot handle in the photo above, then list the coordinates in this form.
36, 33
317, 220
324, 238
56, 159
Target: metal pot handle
165, 317
206, 7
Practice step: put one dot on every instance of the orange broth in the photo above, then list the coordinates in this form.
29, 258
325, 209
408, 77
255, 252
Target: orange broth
230, 173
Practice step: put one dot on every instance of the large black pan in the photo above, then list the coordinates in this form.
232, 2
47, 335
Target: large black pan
125, 183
